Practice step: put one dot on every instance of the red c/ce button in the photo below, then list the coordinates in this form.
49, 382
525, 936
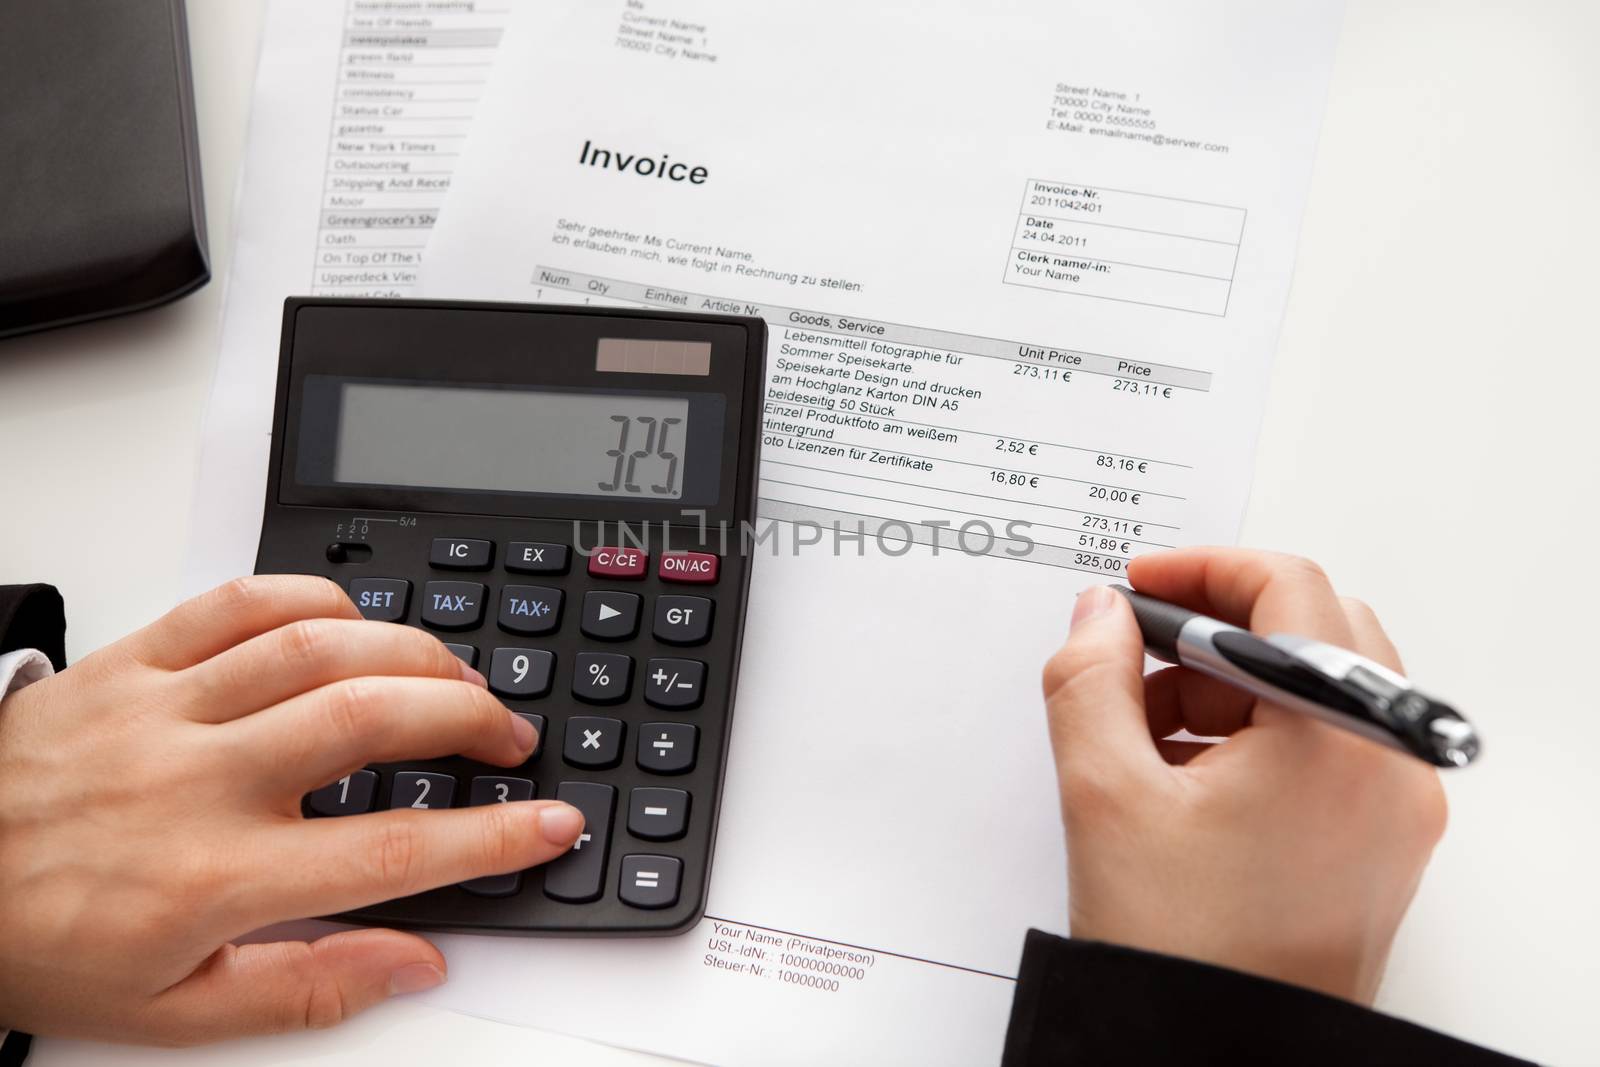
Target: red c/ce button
697, 567
618, 563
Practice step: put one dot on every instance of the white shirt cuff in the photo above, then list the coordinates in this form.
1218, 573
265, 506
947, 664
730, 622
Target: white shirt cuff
23, 667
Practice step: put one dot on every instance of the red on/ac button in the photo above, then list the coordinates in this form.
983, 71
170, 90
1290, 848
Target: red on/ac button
699, 567
618, 563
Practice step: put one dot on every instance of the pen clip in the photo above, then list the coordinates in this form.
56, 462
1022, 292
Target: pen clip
1429, 728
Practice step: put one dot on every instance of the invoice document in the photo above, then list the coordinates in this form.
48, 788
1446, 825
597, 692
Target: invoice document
1024, 267
361, 108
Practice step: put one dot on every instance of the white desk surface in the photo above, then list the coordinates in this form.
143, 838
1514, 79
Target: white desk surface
1430, 437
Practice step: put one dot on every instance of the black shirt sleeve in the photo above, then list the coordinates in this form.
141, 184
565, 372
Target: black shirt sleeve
1084, 1002
32, 616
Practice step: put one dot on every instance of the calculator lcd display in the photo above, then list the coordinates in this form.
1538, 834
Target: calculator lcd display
511, 440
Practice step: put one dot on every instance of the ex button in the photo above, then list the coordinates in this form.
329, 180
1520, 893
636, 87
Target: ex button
618, 563
536, 557
461, 553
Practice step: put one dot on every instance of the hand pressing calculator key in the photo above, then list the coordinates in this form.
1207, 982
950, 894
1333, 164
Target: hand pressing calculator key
557, 493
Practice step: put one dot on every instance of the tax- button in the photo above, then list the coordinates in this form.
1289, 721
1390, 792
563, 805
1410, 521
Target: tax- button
381, 599
682, 620
452, 605
461, 553
674, 683
618, 563
697, 567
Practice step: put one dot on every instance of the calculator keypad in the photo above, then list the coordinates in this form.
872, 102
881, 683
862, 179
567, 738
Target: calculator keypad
580, 674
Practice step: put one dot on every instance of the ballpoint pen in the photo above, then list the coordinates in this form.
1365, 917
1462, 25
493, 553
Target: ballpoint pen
1333, 684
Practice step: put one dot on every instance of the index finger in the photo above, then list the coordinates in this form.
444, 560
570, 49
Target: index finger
322, 866
1267, 592
236, 611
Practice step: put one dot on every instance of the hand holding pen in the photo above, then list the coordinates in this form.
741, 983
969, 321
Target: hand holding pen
1292, 849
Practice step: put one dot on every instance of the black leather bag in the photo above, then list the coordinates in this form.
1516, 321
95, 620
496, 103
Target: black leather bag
100, 204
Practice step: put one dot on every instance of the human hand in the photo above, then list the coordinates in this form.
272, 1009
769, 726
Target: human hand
150, 813
1292, 849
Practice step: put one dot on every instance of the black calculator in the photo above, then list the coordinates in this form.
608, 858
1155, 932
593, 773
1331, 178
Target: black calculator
560, 495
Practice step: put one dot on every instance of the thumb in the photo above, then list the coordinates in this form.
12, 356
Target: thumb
1094, 692
293, 985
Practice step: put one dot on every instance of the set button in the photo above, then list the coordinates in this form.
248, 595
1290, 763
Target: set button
381, 599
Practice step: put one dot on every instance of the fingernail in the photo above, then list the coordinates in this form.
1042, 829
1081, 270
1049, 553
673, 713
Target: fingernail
561, 824
1092, 602
470, 675
414, 978
523, 731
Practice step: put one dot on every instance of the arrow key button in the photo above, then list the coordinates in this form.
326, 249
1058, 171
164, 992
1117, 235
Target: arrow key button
610, 616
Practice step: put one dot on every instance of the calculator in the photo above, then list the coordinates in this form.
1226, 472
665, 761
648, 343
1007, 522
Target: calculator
559, 495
